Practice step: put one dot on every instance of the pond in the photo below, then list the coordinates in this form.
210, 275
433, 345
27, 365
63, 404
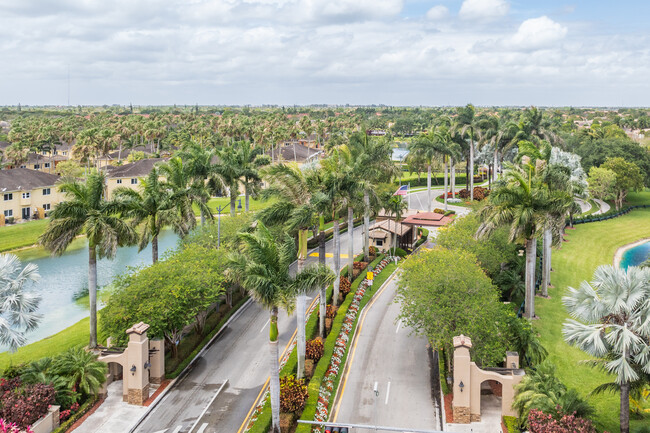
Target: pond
64, 280
635, 256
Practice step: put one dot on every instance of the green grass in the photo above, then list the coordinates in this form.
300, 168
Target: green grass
590, 245
21, 235
412, 178
76, 335
255, 205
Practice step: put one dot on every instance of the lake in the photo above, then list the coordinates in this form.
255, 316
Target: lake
635, 256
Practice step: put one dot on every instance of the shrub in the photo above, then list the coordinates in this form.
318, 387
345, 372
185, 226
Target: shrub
360, 265
330, 311
344, 287
540, 422
511, 423
400, 253
25, 405
372, 250
14, 371
314, 349
293, 394
450, 212
480, 193
438, 210
10, 427
463, 193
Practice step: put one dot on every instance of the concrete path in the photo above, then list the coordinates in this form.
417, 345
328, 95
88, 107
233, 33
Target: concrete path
418, 200
604, 207
585, 206
490, 418
386, 355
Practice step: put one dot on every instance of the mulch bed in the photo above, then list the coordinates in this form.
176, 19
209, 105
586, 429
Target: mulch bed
160, 389
449, 413
86, 415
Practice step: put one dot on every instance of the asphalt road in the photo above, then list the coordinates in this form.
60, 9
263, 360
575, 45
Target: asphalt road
238, 355
388, 357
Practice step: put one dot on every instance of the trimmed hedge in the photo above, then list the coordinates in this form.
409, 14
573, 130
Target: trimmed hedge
612, 213
78, 414
444, 386
511, 423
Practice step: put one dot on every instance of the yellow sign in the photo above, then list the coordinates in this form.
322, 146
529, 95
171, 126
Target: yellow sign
370, 276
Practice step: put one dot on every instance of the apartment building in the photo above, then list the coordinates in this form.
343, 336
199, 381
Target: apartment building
26, 194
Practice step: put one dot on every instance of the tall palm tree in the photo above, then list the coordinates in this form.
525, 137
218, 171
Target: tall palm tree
197, 164
17, 305
99, 220
426, 146
467, 119
262, 268
527, 205
610, 322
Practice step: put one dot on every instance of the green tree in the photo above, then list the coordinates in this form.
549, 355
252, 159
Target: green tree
262, 268
628, 178
81, 369
86, 212
602, 183
69, 169
466, 303
610, 322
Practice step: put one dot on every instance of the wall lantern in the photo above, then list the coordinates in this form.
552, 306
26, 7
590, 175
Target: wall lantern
520, 253
133, 370
147, 364
461, 385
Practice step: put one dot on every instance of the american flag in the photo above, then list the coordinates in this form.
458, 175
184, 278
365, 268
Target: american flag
402, 190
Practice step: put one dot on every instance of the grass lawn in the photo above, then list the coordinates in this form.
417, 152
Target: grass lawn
76, 335
588, 246
255, 205
21, 235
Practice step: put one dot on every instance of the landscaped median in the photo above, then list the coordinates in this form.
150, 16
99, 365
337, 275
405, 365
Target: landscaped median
326, 374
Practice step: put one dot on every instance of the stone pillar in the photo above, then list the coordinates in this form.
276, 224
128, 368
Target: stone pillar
512, 360
508, 393
462, 379
135, 374
157, 360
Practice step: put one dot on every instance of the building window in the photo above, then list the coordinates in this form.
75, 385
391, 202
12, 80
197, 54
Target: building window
9, 196
134, 181
46, 165
37, 166
119, 181
46, 191
44, 152
64, 153
46, 206
26, 195
23, 166
379, 242
9, 213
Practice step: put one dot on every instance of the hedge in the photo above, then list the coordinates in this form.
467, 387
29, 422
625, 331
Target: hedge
511, 423
78, 414
612, 213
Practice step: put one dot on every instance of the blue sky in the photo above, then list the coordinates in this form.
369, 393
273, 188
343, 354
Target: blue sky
397, 52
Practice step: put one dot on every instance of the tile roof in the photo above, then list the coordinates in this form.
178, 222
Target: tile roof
137, 169
24, 179
391, 226
427, 219
303, 153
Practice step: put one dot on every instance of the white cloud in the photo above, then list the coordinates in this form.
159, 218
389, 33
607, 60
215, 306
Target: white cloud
538, 33
483, 10
437, 13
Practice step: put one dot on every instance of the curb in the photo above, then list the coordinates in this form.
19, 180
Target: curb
187, 368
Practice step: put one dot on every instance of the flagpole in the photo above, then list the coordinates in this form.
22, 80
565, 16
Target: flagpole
408, 194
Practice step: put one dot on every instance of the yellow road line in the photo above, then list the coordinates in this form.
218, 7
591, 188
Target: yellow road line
329, 255
348, 364
257, 399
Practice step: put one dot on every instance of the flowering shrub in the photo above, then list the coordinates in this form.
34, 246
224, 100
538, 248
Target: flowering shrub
539, 422
479, 193
26, 404
372, 250
449, 195
344, 287
438, 210
10, 427
360, 265
330, 311
463, 193
65, 414
293, 394
314, 349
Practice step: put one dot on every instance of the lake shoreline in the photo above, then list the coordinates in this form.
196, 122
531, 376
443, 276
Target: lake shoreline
618, 256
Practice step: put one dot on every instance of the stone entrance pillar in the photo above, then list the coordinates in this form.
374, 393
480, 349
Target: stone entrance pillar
136, 375
462, 379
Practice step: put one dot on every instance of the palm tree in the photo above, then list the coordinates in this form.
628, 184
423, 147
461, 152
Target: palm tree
426, 147
17, 305
527, 205
82, 370
610, 322
395, 206
99, 220
193, 171
467, 119
262, 268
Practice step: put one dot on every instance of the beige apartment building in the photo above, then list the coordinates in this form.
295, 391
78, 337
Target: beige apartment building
25, 193
128, 175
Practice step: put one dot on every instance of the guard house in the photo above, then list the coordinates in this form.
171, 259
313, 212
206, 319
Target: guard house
384, 234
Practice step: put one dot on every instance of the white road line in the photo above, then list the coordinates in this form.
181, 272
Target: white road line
208, 405
398, 325
177, 429
202, 428
263, 327
387, 393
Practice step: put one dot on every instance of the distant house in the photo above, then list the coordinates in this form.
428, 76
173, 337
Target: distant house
382, 235
295, 152
129, 175
27, 194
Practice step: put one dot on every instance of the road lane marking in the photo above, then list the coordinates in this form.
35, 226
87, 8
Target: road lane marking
177, 429
264, 327
205, 409
387, 393
348, 364
328, 255
256, 402
202, 428
398, 325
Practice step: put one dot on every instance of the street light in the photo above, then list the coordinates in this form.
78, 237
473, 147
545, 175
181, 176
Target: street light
219, 210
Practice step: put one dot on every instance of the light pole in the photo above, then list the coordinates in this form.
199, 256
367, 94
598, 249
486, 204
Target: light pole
219, 210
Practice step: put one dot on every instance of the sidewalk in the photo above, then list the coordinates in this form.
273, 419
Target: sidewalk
490, 418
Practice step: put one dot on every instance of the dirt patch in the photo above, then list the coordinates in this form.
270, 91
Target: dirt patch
449, 413
160, 389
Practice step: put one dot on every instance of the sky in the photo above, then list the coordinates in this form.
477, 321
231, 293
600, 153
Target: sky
358, 52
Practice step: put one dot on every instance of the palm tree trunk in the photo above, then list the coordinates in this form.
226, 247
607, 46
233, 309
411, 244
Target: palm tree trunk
546, 261
531, 253
337, 261
154, 249
92, 293
301, 301
453, 177
496, 163
233, 198
323, 290
248, 196
202, 214
471, 168
366, 227
275, 370
429, 188
446, 186
625, 408
350, 242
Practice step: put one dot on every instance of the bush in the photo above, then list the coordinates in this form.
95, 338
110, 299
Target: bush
511, 423
293, 394
463, 193
10, 427
344, 286
330, 311
372, 250
360, 265
24, 405
400, 253
314, 349
540, 422
450, 212
438, 210
13, 371
480, 193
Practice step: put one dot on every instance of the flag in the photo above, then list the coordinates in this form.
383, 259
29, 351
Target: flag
402, 190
